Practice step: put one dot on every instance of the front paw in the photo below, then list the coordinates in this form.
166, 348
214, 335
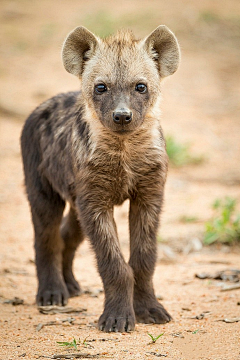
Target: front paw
151, 312
117, 320
52, 295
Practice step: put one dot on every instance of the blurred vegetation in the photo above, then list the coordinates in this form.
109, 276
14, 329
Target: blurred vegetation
188, 20
209, 16
179, 154
216, 29
101, 23
204, 26
47, 33
224, 227
188, 219
104, 23
196, 26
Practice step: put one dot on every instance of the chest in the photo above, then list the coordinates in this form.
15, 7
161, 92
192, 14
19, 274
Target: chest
117, 175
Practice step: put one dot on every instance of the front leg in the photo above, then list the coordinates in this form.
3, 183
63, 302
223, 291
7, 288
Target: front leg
143, 221
116, 274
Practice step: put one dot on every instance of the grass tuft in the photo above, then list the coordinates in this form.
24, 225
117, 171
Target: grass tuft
179, 154
188, 219
153, 338
68, 344
209, 16
224, 227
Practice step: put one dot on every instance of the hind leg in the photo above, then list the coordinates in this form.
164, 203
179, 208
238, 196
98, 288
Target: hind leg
47, 209
72, 235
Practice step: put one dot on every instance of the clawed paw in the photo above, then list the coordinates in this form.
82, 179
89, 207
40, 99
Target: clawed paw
72, 286
53, 296
152, 314
117, 322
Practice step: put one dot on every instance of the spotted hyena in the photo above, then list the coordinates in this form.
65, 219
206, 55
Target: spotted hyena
94, 149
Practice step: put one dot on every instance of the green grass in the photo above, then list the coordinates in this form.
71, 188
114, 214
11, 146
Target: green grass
188, 219
47, 33
160, 239
153, 338
209, 16
179, 154
104, 22
224, 227
68, 344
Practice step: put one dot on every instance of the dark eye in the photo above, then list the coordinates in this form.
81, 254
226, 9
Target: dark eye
100, 88
141, 88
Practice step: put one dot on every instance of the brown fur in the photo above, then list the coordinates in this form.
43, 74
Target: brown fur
74, 151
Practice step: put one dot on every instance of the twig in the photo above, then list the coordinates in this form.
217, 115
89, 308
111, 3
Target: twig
70, 320
79, 356
156, 354
230, 320
230, 287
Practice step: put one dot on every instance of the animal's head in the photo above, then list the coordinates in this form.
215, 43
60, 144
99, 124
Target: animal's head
121, 75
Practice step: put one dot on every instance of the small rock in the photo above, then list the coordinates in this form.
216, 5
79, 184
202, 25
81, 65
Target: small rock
194, 245
15, 301
168, 252
230, 320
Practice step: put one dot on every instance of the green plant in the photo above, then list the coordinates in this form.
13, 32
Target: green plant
188, 219
209, 16
85, 342
102, 22
69, 344
154, 339
160, 239
224, 227
179, 154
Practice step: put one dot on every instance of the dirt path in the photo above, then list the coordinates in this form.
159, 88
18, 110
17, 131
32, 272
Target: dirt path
200, 106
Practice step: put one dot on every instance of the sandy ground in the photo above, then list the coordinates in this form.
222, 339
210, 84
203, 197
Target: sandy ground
200, 106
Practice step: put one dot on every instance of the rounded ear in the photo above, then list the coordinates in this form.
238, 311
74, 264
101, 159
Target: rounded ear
163, 47
78, 47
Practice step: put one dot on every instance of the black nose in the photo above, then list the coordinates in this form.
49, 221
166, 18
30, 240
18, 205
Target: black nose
122, 117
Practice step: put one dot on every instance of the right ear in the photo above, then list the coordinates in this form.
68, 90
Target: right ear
78, 47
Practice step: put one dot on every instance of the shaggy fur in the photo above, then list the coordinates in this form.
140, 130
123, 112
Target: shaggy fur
74, 152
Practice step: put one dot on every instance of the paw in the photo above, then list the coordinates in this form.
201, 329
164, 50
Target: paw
152, 313
53, 296
73, 287
117, 321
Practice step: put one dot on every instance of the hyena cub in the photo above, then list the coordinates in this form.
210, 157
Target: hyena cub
94, 149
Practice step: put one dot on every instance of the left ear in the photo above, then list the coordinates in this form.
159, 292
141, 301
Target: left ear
162, 46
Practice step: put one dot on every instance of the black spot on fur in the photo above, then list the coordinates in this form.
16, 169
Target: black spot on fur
54, 106
45, 114
48, 128
69, 101
83, 130
72, 191
62, 141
